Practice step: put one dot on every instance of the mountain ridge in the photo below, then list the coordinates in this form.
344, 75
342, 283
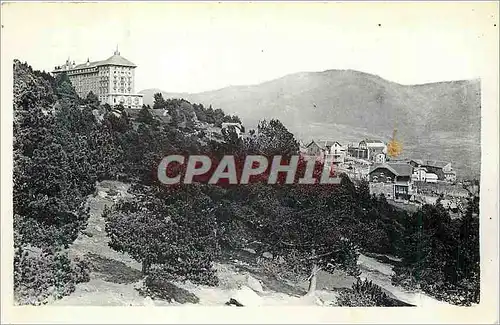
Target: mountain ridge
148, 90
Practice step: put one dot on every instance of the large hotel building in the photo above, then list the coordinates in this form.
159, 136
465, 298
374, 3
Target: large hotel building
111, 80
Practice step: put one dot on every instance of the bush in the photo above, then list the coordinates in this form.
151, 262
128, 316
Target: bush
41, 275
200, 272
441, 255
157, 285
464, 293
180, 237
364, 294
288, 268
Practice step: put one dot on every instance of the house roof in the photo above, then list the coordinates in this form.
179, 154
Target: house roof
418, 162
431, 163
373, 141
420, 168
314, 142
329, 143
436, 163
396, 169
323, 144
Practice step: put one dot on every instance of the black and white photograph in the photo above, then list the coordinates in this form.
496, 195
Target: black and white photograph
237, 154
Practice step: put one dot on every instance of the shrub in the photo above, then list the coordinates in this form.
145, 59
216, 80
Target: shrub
180, 237
288, 268
441, 255
157, 285
464, 293
197, 271
364, 293
42, 275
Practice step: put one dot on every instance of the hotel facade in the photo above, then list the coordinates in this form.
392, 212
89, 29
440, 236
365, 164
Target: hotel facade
111, 80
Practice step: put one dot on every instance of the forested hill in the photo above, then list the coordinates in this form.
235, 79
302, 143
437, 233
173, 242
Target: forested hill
439, 121
64, 145
351, 98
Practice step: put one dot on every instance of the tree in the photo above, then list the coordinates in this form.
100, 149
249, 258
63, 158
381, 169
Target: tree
54, 171
120, 108
200, 113
145, 116
92, 100
275, 139
159, 102
174, 232
363, 191
231, 119
306, 230
53, 162
441, 255
218, 117
117, 122
64, 87
469, 252
176, 117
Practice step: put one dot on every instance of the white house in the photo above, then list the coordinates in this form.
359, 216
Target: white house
314, 149
331, 151
431, 178
419, 174
450, 175
334, 152
380, 158
442, 169
374, 148
237, 127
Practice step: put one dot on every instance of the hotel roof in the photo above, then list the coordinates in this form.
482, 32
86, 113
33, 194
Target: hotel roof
116, 59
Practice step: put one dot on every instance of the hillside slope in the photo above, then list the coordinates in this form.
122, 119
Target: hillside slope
434, 120
115, 277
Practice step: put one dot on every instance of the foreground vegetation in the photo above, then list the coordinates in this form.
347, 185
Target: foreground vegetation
64, 144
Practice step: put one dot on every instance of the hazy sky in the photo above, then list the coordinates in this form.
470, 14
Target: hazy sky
191, 47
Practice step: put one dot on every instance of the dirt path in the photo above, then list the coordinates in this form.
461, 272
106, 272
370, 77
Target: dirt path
114, 276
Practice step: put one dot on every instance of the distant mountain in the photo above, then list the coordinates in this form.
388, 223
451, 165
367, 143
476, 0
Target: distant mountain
349, 105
